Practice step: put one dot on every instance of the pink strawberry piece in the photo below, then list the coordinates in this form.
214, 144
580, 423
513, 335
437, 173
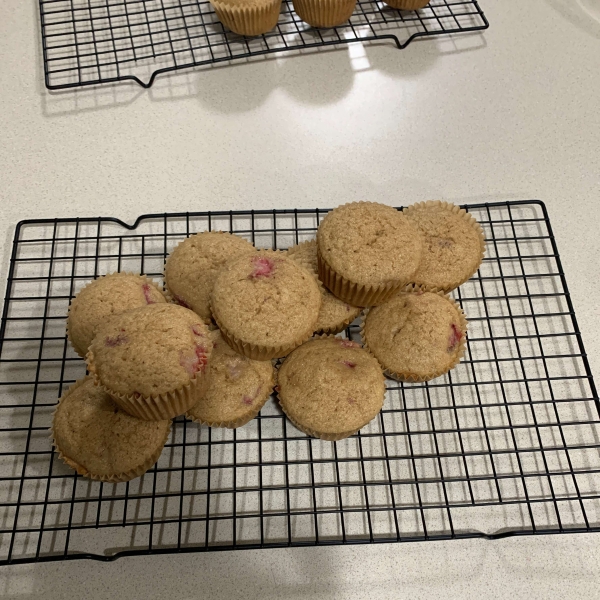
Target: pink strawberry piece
262, 266
455, 337
351, 400
148, 294
194, 363
116, 341
248, 400
179, 300
234, 369
349, 344
349, 364
198, 330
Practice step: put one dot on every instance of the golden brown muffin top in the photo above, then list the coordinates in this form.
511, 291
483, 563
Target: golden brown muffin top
370, 244
92, 431
331, 385
266, 299
105, 296
236, 385
453, 244
416, 335
150, 351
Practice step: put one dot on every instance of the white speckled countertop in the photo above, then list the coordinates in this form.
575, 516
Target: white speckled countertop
511, 113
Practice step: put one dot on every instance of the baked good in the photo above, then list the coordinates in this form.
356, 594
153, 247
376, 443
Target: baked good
453, 247
265, 304
330, 387
248, 17
105, 296
407, 4
367, 252
236, 388
100, 441
417, 335
152, 360
193, 266
335, 314
324, 13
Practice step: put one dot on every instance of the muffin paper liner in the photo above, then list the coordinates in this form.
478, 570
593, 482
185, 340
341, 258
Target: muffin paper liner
233, 424
409, 376
150, 281
259, 351
324, 13
155, 408
407, 4
329, 437
248, 20
81, 470
355, 293
470, 219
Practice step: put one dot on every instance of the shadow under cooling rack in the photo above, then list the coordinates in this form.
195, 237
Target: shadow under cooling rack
506, 444
87, 42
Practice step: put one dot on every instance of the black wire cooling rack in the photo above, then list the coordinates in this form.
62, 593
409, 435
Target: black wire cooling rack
506, 444
86, 42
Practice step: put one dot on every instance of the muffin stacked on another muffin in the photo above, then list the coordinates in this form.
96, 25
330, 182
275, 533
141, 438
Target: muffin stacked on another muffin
367, 252
152, 360
265, 304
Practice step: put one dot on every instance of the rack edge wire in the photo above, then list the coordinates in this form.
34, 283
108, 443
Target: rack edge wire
500, 534
336, 43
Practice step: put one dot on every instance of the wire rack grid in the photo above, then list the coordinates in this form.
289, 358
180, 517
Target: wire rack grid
87, 42
505, 444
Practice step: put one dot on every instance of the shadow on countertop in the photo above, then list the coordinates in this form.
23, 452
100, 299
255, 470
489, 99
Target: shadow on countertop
583, 14
318, 77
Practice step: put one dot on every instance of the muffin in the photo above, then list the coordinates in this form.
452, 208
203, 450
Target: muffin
193, 266
330, 387
100, 441
152, 360
367, 252
105, 296
324, 13
265, 305
407, 4
417, 335
236, 388
335, 314
453, 247
248, 17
